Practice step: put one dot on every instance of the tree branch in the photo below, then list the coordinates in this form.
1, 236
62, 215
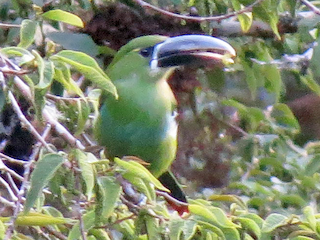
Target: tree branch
197, 19
46, 112
312, 7
6, 25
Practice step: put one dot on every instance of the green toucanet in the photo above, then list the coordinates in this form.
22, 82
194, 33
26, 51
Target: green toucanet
141, 121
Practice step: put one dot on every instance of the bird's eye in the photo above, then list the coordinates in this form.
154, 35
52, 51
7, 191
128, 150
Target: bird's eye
146, 52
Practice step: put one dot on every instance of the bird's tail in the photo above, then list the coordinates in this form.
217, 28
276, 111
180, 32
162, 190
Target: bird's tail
169, 181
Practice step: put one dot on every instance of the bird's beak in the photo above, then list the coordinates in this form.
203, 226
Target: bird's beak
192, 50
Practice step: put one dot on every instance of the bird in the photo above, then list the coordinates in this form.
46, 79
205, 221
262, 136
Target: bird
141, 120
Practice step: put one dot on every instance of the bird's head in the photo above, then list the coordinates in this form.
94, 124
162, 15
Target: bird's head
157, 52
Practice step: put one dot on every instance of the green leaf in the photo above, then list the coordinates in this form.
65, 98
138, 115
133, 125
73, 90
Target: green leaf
269, 161
248, 237
84, 42
44, 170
212, 215
39, 99
245, 19
231, 233
83, 115
273, 79
152, 225
314, 66
313, 166
37, 219
309, 80
175, 229
88, 223
210, 235
87, 66
94, 96
253, 114
25, 55
99, 234
140, 171
292, 5
257, 219
63, 16
293, 200
27, 33
258, 188
87, 171
62, 75
309, 215
302, 238
267, 11
45, 70
251, 225
141, 185
216, 230
228, 198
273, 221
250, 78
3, 102
2, 230
182, 227
284, 116
110, 192
189, 229
48, 210
235, 104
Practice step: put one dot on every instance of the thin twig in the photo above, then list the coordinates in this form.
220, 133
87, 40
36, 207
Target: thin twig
26, 176
18, 205
132, 216
87, 140
78, 187
7, 186
15, 105
6, 202
11, 172
130, 193
55, 233
229, 125
169, 198
38, 145
26, 122
81, 226
312, 7
12, 184
6, 25
41, 233
15, 72
12, 160
61, 130
46, 112
66, 99
131, 206
197, 19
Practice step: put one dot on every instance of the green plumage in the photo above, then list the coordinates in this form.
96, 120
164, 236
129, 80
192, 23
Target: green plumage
138, 123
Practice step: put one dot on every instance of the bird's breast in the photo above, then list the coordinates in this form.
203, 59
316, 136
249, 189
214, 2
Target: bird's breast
139, 123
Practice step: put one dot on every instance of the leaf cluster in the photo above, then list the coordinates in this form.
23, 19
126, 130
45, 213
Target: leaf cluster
71, 192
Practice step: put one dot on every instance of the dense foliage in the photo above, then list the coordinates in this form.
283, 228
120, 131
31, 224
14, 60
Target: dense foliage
251, 129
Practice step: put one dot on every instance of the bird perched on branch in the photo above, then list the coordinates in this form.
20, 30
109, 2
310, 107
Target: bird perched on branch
141, 122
